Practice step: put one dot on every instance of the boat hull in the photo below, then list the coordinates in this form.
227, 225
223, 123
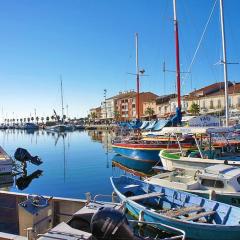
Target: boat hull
171, 163
140, 154
193, 230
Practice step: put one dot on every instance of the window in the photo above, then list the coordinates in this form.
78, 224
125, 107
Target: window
204, 104
238, 101
211, 104
219, 103
133, 105
212, 183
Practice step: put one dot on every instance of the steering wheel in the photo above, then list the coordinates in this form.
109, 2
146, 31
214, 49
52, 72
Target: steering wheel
195, 175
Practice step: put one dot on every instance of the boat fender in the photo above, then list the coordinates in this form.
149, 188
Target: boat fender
212, 195
108, 224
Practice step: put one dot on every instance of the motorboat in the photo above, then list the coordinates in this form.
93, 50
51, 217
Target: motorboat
219, 182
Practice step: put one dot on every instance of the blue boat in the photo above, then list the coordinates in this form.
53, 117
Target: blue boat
200, 218
138, 168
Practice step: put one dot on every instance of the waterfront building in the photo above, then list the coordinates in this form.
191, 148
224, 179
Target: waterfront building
108, 108
95, 113
163, 105
126, 104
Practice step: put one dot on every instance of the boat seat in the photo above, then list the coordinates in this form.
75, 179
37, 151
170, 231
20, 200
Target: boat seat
183, 211
144, 196
199, 215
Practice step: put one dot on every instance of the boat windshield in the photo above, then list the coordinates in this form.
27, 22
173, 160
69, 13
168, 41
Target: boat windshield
212, 183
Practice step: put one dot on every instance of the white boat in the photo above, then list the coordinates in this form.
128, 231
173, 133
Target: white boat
218, 152
219, 182
6, 162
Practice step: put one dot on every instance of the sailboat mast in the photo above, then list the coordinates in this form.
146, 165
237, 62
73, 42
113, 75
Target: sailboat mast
62, 98
224, 61
137, 74
177, 56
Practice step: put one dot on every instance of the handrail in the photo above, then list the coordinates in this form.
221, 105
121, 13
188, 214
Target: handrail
183, 236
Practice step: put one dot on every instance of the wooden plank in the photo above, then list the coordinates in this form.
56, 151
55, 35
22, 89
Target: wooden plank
199, 215
144, 196
183, 211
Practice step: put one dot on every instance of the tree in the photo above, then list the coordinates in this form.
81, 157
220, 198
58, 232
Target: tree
32, 118
47, 119
28, 119
150, 112
93, 115
42, 119
24, 119
116, 115
37, 119
194, 109
52, 118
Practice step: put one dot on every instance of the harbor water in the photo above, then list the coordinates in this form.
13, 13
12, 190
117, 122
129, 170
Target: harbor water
73, 163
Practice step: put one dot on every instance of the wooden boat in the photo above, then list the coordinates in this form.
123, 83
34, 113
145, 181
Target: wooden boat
147, 150
200, 218
214, 152
28, 217
219, 182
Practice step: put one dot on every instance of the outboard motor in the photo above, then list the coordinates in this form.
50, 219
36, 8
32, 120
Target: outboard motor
23, 155
108, 224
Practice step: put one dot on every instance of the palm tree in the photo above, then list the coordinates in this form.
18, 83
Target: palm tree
52, 118
42, 119
28, 119
150, 112
47, 119
24, 120
32, 119
116, 115
37, 119
93, 115
194, 109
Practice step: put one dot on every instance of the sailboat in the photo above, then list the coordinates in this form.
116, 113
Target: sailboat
144, 150
61, 126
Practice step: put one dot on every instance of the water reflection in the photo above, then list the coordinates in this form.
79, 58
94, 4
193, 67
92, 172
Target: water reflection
23, 181
138, 168
73, 163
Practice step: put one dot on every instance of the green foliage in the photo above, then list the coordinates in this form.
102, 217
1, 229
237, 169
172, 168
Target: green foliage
194, 109
150, 112
116, 115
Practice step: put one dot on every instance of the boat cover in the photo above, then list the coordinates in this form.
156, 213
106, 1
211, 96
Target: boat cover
144, 124
151, 125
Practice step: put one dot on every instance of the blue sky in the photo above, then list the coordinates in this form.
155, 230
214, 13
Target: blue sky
91, 44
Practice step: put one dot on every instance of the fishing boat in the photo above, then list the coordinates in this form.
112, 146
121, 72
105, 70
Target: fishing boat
209, 151
219, 182
29, 217
199, 217
148, 149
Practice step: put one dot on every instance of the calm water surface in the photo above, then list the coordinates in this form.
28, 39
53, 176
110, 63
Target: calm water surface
73, 164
